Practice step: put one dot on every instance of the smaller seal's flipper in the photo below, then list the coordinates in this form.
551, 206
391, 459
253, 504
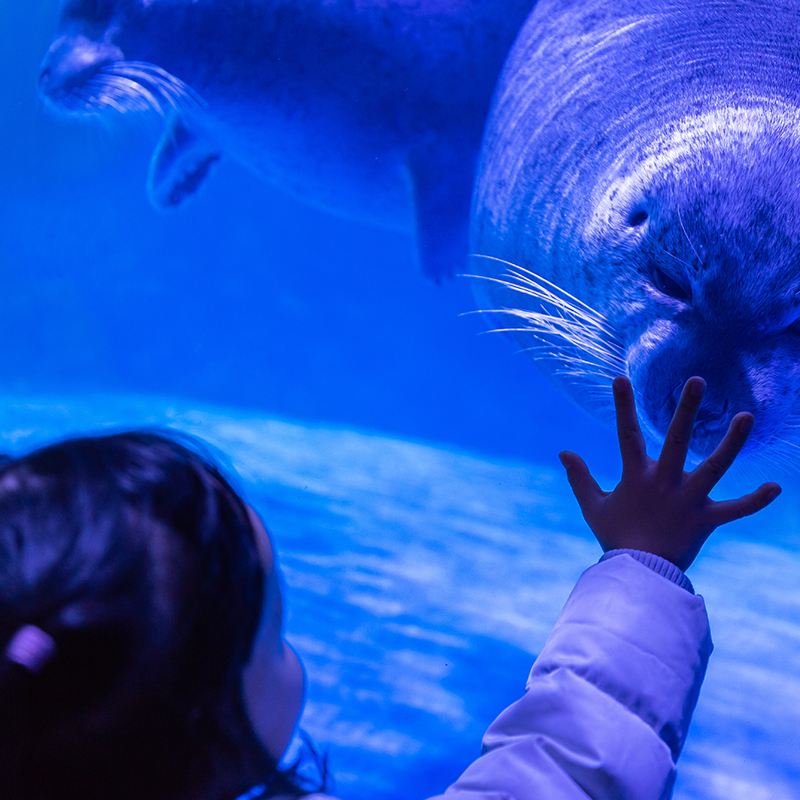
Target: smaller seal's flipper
179, 165
441, 179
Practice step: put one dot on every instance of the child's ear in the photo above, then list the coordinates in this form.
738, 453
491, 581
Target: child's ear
263, 541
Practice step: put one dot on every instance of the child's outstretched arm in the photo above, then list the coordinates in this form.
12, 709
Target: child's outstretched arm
657, 507
609, 700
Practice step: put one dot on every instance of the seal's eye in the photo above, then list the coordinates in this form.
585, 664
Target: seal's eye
90, 10
669, 285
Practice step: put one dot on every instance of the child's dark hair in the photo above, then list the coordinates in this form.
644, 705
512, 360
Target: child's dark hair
136, 556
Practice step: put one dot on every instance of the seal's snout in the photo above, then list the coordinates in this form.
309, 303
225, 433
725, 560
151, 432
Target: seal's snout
736, 381
712, 420
70, 63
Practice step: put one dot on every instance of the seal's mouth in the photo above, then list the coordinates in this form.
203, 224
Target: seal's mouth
762, 383
121, 86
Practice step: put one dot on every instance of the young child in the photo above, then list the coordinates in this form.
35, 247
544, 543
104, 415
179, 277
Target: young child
140, 625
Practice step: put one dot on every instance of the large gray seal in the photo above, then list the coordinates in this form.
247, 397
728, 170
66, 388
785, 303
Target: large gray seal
639, 198
370, 108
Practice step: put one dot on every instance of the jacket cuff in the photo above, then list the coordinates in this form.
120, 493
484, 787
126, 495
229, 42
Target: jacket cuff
656, 563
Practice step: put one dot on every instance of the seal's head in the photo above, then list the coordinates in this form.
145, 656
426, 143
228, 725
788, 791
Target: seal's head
124, 56
641, 171
87, 69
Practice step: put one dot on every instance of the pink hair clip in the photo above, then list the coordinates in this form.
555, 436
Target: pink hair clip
31, 647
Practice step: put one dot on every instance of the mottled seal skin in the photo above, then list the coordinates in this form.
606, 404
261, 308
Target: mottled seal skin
641, 170
347, 103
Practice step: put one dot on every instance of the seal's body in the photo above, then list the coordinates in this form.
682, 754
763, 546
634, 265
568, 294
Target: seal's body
641, 170
348, 104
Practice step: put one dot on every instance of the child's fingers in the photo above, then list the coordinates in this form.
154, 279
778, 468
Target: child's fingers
708, 474
583, 485
631, 441
730, 510
676, 443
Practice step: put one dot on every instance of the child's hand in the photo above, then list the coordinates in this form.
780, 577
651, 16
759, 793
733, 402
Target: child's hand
657, 507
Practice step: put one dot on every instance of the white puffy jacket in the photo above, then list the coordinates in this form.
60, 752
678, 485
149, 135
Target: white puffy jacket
609, 699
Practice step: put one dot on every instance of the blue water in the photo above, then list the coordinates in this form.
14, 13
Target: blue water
251, 302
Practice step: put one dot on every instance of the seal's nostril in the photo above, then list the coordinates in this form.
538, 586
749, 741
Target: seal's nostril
638, 217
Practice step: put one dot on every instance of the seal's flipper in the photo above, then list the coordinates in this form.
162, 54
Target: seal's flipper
179, 165
441, 179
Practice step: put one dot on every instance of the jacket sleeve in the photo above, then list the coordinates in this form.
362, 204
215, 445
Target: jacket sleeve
609, 699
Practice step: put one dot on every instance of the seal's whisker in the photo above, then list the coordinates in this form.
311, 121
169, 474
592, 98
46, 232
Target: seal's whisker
86, 99
597, 357
567, 323
559, 319
587, 376
787, 443
780, 457
578, 342
683, 228
541, 324
588, 368
616, 366
544, 323
747, 471
121, 94
133, 86
562, 304
570, 331
125, 87
177, 93
107, 97
786, 450
167, 78
535, 281
682, 261
782, 452
560, 300
608, 368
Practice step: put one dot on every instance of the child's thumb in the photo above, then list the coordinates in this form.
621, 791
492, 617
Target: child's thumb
583, 485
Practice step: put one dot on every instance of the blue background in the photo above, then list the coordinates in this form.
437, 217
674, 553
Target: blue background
439, 568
